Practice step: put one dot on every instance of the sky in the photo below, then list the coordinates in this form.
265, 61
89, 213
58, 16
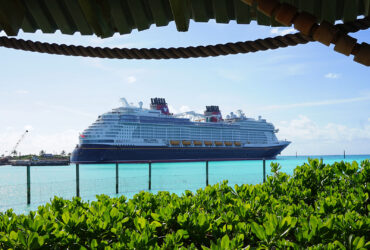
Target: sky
317, 98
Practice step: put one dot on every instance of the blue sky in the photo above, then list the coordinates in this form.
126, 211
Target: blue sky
319, 99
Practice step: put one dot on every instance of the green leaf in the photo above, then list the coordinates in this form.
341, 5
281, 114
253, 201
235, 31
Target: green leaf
33, 241
124, 220
141, 221
155, 224
340, 245
155, 216
358, 243
269, 227
65, 217
201, 219
313, 223
22, 239
258, 231
13, 235
94, 243
41, 240
114, 212
225, 242
287, 220
183, 234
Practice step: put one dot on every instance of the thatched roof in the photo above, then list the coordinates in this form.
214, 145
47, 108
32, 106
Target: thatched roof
106, 17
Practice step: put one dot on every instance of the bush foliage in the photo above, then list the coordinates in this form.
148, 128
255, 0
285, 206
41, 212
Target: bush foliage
319, 206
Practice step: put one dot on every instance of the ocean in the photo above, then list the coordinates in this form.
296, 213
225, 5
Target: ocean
50, 181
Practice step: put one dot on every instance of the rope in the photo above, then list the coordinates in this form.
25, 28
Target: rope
175, 53
324, 32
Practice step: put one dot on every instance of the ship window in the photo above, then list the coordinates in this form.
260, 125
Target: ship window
98, 141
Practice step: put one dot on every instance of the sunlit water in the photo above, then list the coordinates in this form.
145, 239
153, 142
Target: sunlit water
47, 182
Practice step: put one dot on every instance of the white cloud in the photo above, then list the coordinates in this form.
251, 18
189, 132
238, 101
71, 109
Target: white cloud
233, 75
332, 76
118, 41
94, 62
127, 75
28, 127
282, 31
172, 109
131, 79
184, 108
318, 103
309, 137
65, 109
296, 69
34, 142
96, 41
21, 92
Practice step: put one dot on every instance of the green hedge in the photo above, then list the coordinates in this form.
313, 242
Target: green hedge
320, 206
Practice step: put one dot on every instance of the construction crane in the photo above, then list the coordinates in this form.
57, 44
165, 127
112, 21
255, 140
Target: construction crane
14, 150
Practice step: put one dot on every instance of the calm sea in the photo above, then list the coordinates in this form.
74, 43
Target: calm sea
47, 182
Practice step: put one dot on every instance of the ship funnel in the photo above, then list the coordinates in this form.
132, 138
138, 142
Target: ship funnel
213, 114
159, 104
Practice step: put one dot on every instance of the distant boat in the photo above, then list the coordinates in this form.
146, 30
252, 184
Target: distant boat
4, 161
136, 134
51, 162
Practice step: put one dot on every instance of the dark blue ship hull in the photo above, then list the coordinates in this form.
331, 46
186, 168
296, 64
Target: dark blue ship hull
91, 153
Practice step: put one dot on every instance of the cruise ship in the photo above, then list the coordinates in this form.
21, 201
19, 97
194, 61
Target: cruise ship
135, 134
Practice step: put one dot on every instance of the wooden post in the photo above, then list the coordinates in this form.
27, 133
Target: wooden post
150, 176
116, 178
344, 154
206, 173
78, 180
264, 170
28, 184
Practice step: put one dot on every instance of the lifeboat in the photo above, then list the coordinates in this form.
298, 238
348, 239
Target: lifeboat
228, 143
237, 143
197, 143
208, 143
186, 143
174, 143
219, 143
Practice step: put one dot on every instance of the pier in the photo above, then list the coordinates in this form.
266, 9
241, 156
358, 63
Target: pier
39, 163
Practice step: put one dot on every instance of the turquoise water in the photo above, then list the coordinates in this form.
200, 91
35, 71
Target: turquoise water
47, 182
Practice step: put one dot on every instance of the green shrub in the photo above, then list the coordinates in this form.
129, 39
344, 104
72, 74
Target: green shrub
320, 206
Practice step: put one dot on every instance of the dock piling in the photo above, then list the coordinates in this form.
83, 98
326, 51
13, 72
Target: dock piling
264, 170
344, 154
116, 178
150, 176
206, 173
28, 184
78, 180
